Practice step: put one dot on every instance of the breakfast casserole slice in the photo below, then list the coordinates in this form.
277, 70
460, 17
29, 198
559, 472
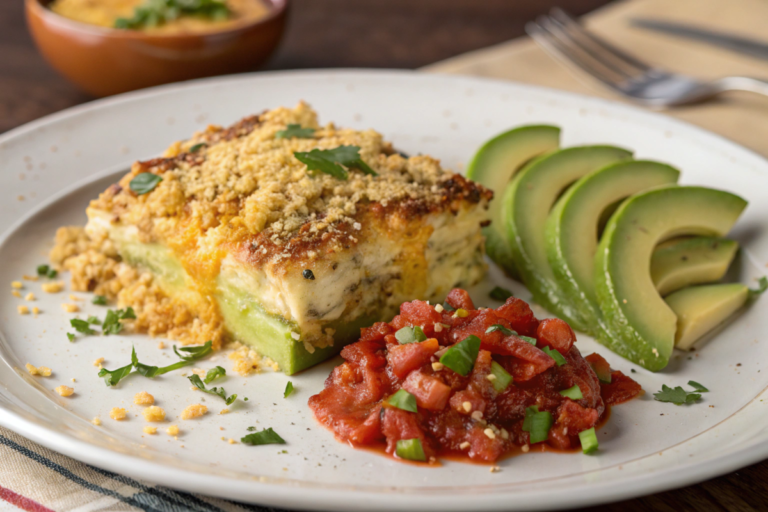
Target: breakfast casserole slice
231, 235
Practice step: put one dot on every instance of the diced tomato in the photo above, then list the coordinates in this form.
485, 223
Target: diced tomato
430, 392
555, 333
600, 366
475, 400
519, 315
477, 325
403, 359
418, 313
460, 299
534, 360
483, 447
575, 417
376, 332
397, 425
621, 389
370, 430
364, 353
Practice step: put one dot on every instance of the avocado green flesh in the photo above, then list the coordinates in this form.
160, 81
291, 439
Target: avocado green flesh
526, 205
700, 309
494, 165
571, 231
641, 325
680, 263
244, 318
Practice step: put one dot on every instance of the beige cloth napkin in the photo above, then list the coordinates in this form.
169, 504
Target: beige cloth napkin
741, 117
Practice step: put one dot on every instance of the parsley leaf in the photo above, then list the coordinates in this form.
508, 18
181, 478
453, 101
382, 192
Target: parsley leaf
197, 147
330, 161
112, 377
144, 183
762, 285
81, 326
198, 383
93, 320
295, 130
99, 300
71, 337
214, 373
195, 353
42, 270
410, 334
52, 273
677, 396
500, 294
115, 376
157, 12
288, 389
266, 436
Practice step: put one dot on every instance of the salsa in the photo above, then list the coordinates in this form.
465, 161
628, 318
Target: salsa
484, 382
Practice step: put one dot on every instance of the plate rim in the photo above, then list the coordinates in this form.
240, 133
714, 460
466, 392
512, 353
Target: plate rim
281, 495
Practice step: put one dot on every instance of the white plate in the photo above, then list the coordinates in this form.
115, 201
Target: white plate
58, 163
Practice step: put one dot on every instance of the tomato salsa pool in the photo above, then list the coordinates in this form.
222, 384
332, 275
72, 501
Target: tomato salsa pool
450, 378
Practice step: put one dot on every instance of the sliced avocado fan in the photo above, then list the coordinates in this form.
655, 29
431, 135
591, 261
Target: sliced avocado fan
494, 165
642, 326
572, 228
526, 205
683, 262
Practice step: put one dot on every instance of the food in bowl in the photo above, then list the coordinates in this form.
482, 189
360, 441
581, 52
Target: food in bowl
280, 233
163, 16
453, 379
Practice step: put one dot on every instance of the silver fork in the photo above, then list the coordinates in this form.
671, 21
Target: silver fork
564, 38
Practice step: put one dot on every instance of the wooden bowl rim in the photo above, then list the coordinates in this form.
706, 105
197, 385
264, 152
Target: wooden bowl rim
38, 9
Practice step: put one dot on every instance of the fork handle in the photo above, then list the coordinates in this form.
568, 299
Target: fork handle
743, 83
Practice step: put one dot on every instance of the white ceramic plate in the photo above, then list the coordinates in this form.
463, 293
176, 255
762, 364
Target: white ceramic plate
52, 167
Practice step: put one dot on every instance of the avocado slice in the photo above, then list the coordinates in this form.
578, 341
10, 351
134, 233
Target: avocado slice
683, 262
494, 165
572, 228
700, 309
526, 205
642, 326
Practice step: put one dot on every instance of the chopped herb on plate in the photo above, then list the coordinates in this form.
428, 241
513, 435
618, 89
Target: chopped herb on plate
502, 378
144, 183
81, 326
295, 131
461, 356
554, 354
220, 392
99, 300
410, 335
500, 294
678, 395
499, 327
214, 373
334, 162
266, 436
288, 389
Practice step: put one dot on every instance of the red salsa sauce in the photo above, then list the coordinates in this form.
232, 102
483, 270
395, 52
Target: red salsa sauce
467, 414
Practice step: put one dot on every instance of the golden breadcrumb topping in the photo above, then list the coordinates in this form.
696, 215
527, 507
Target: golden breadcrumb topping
65, 390
150, 430
193, 411
143, 398
173, 430
42, 371
117, 413
246, 360
154, 413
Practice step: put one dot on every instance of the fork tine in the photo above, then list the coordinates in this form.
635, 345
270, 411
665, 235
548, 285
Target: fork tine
558, 29
573, 25
567, 55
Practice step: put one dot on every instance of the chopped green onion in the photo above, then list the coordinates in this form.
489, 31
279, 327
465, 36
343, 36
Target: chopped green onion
503, 378
574, 393
697, 387
588, 440
288, 389
266, 436
410, 449
554, 354
403, 400
500, 294
528, 339
461, 356
499, 327
448, 307
410, 335
537, 424
99, 300
144, 183
214, 373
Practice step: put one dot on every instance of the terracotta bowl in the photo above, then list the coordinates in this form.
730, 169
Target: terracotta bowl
105, 61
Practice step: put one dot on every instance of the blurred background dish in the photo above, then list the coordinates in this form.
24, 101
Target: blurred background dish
104, 60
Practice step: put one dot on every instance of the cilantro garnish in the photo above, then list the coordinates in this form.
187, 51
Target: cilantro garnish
112, 377
197, 147
157, 12
81, 326
198, 383
500, 294
214, 373
295, 131
499, 327
70, 337
334, 161
288, 390
112, 323
144, 183
678, 395
99, 300
762, 285
266, 436
93, 320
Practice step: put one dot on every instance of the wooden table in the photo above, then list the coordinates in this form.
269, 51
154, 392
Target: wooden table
366, 33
